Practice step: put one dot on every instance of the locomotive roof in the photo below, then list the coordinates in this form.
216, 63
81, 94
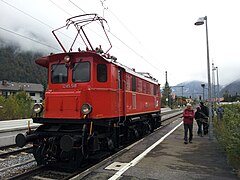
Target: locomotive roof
44, 61
131, 71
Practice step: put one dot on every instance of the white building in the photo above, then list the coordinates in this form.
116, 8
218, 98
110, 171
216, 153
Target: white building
35, 91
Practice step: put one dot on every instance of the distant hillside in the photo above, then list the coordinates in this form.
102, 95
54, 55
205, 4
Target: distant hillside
19, 66
232, 88
190, 88
194, 89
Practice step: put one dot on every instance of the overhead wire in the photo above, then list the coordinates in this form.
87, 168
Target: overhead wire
20, 35
110, 31
38, 20
128, 30
125, 26
60, 8
135, 52
77, 6
72, 15
86, 12
27, 14
130, 48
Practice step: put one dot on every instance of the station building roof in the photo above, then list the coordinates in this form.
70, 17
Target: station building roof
16, 86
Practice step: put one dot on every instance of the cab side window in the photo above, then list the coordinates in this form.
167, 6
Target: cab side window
119, 79
102, 75
134, 83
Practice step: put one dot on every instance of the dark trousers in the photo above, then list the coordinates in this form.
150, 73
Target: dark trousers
205, 128
200, 127
188, 128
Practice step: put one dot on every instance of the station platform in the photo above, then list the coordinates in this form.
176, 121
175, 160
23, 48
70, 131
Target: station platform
10, 128
163, 155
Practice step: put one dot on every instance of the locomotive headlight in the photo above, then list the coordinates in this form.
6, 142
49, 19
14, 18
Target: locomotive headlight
67, 59
86, 109
37, 108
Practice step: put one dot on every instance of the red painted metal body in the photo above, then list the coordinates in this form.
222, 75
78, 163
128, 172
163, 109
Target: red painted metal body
114, 98
92, 102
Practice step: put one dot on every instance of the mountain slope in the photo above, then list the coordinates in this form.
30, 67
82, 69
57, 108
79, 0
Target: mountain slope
190, 88
19, 66
232, 88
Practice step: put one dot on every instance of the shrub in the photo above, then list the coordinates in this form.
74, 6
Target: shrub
15, 106
228, 134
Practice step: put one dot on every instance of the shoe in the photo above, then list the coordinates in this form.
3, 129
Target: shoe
185, 142
190, 142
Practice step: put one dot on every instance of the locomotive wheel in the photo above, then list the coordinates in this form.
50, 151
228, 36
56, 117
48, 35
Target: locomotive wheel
110, 143
66, 156
37, 153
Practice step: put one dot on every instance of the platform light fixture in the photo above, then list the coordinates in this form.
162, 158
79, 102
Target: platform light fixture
199, 22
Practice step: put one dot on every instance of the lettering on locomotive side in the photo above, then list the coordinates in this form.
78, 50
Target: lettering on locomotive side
69, 86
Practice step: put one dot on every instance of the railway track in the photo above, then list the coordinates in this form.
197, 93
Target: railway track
44, 172
12, 150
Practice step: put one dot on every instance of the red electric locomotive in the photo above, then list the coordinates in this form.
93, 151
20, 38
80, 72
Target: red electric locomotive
92, 103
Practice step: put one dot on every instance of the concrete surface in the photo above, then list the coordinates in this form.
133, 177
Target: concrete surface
170, 160
10, 128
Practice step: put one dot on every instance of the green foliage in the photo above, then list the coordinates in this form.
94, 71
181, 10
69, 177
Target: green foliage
19, 66
16, 106
228, 133
231, 98
166, 98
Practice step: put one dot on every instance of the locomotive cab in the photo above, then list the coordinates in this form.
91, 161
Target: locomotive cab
81, 83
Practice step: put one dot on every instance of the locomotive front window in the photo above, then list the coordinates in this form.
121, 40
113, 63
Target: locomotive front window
81, 72
59, 74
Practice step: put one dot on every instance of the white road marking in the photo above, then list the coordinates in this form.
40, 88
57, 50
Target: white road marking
118, 174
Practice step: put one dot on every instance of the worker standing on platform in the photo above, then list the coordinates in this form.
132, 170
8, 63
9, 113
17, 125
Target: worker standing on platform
188, 116
205, 112
199, 118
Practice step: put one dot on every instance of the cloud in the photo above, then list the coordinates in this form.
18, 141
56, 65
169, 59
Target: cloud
163, 36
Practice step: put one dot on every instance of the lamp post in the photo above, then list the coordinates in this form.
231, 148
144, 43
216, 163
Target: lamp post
199, 22
213, 85
203, 86
218, 95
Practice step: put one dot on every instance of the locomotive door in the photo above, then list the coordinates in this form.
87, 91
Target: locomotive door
121, 93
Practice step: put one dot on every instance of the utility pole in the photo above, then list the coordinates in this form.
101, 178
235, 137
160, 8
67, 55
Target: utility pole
166, 92
168, 98
218, 95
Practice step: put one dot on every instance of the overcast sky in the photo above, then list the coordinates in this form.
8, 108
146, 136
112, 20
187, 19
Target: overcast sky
158, 35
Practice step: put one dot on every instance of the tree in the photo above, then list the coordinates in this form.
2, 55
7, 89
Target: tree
166, 98
226, 96
16, 106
